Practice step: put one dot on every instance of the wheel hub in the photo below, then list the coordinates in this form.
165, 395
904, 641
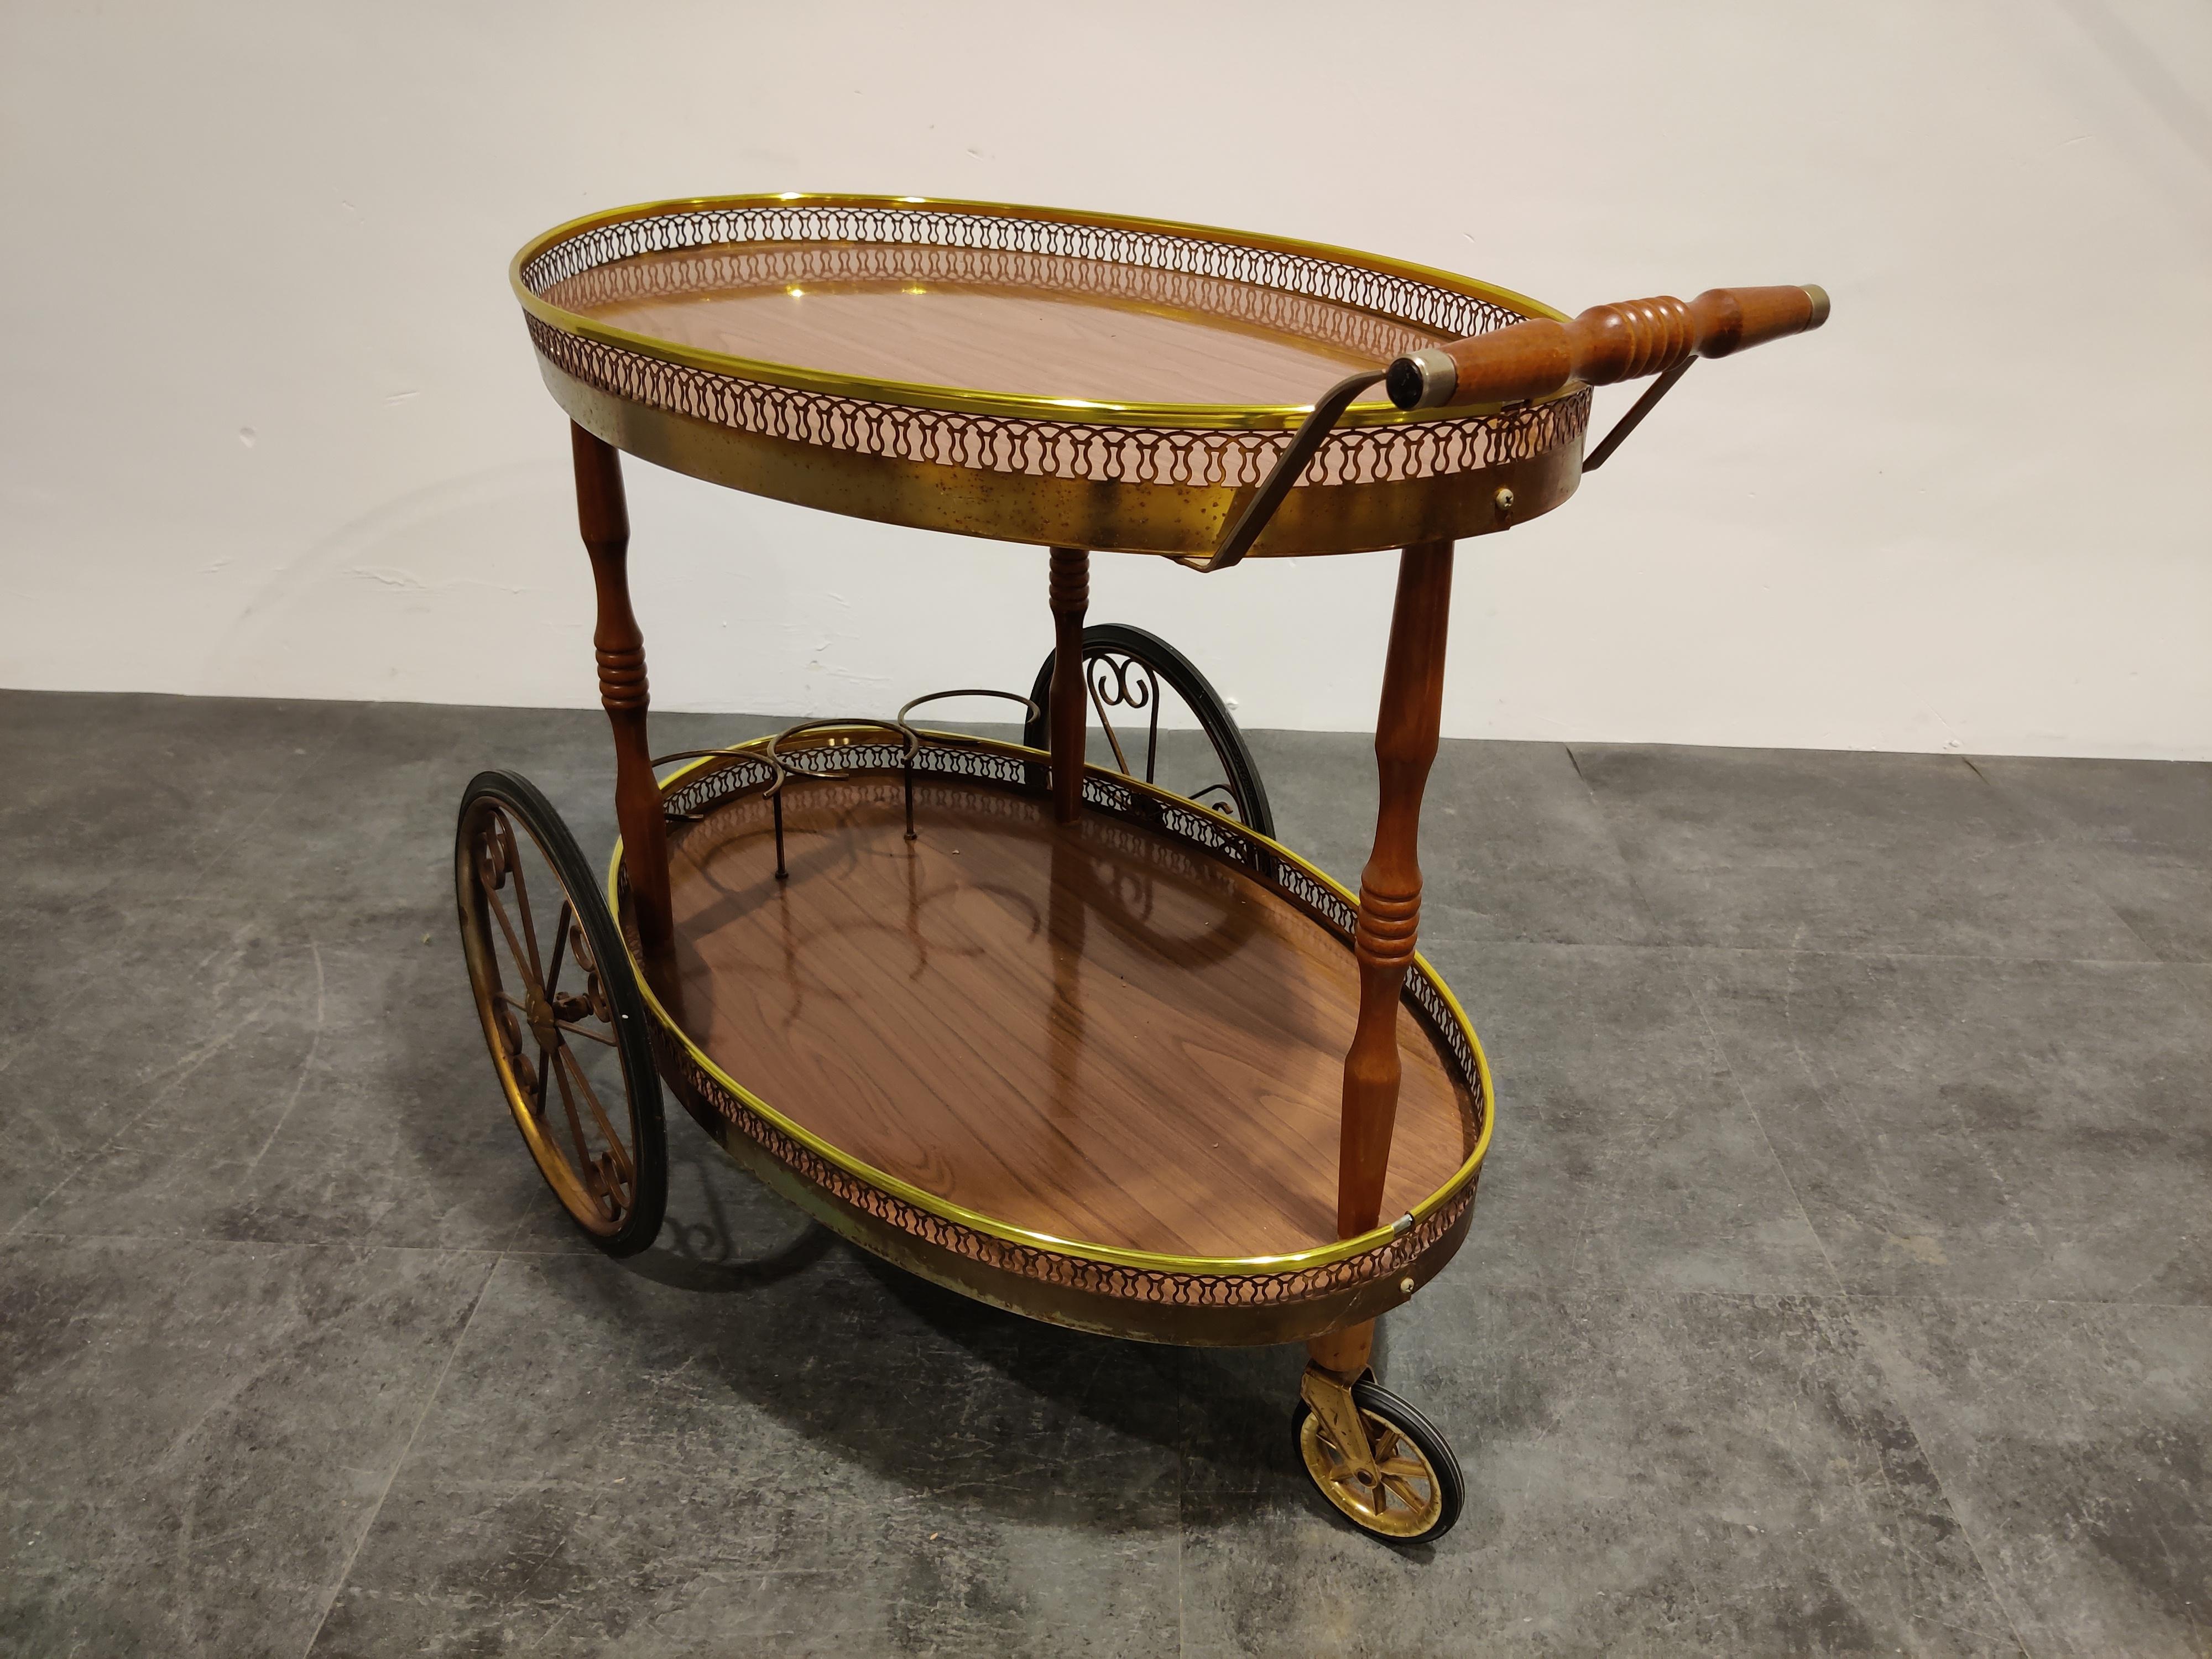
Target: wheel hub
537, 1013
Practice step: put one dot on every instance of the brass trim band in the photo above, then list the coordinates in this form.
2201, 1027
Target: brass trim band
1091, 451
1194, 1282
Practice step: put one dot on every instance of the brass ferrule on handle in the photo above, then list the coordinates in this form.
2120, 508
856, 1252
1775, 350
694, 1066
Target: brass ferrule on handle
1605, 343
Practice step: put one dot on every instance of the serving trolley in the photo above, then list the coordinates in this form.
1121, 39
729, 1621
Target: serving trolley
1042, 1030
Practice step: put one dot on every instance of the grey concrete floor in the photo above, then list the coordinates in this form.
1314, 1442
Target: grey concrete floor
1841, 1281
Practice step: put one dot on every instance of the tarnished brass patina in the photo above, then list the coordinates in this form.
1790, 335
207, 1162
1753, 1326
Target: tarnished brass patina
1363, 1463
1115, 475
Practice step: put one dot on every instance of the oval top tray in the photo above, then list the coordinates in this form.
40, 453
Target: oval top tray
1028, 374
1085, 1064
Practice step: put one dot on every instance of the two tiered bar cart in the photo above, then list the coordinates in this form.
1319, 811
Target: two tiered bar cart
1044, 1031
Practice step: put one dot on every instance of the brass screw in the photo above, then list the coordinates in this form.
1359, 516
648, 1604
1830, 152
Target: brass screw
1407, 1286
1504, 498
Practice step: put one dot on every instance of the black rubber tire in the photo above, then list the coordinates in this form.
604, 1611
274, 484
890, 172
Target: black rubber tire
1198, 694
1451, 1485
536, 816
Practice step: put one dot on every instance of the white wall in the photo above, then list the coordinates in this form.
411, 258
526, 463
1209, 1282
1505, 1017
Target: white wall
272, 427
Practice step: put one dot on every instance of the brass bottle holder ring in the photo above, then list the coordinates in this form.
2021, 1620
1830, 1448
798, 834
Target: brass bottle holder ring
786, 768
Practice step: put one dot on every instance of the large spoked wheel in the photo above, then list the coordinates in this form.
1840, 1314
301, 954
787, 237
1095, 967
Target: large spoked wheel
561, 1012
1414, 1493
1124, 669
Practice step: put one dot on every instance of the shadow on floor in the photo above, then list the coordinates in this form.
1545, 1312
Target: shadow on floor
780, 1303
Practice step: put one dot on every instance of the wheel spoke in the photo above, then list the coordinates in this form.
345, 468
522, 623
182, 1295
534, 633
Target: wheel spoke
561, 927
498, 907
575, 1122
1392, 1484
609, 1173
614, 1141
529, 926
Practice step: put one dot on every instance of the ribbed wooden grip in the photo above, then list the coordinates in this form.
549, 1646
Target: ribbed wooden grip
1605, 343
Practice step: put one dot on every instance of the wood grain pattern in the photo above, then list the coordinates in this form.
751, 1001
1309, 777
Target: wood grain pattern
1081, 1029
603, 514
996, 322
1390, 885
1625, 341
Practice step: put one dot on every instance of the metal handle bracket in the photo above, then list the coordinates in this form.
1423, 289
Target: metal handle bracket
1260, 511
1627, 423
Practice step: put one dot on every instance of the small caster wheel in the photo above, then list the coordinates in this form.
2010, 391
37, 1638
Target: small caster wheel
562, 1013
1409, 1490
1123, 669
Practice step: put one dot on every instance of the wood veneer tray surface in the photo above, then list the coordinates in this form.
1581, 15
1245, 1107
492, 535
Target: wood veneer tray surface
1030, 324
1089, 1032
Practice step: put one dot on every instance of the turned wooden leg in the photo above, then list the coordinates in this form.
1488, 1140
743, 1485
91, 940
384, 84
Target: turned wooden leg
1390, 886
1067, 727
1389, 911
1071, 596
604, 519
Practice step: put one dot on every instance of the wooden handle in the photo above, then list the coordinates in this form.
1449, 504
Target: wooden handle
1605, 343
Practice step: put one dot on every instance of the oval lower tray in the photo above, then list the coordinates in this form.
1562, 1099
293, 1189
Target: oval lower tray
1090, 1073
